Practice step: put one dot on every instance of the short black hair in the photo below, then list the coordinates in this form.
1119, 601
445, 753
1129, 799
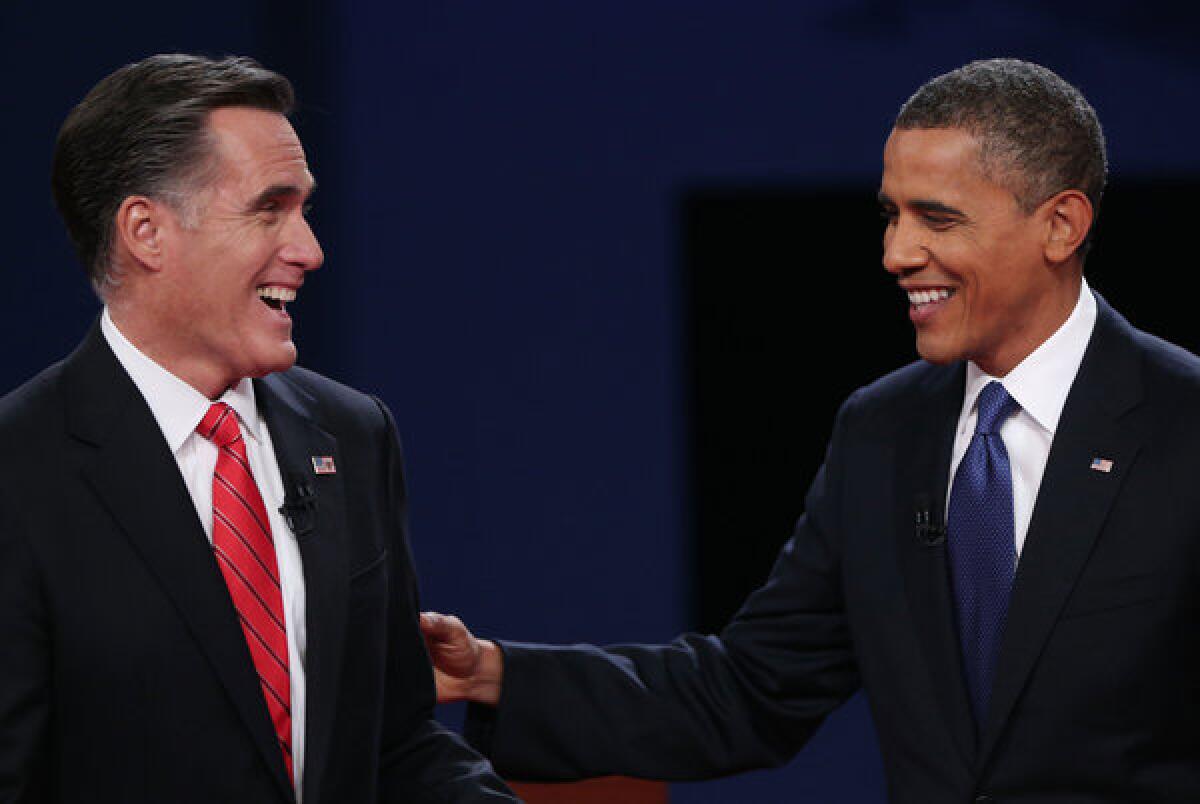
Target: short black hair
1038, 135
142, 131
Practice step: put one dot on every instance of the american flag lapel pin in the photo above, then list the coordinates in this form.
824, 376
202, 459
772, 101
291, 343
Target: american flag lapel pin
323, 465
1101, 465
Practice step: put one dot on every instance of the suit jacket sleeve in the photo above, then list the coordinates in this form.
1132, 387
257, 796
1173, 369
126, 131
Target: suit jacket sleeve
701, 706
25, 668
421, 760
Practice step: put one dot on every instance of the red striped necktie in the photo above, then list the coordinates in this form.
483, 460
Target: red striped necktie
241, 537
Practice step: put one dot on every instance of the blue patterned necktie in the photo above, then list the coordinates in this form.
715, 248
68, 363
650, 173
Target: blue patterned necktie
983, 553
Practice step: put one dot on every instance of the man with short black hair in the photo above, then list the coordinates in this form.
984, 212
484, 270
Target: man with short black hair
1001, 548
206, 591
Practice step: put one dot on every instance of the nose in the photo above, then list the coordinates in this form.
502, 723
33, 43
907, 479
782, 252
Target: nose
300, 246
904, 250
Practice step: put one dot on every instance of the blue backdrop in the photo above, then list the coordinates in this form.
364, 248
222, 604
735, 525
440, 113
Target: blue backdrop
499, 204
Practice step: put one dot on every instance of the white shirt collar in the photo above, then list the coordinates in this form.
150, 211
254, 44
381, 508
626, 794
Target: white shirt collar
177, 406
1041, 381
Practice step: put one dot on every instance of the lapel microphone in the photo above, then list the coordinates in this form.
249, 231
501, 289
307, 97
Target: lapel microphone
299, 507
930, 530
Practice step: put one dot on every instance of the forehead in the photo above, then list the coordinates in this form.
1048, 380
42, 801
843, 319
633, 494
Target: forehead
932, 162
255, 146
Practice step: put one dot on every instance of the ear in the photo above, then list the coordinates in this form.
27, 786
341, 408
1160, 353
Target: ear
1069, 217
139, 231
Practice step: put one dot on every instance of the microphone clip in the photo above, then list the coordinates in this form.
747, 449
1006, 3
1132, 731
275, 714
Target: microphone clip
929, 533
299, 507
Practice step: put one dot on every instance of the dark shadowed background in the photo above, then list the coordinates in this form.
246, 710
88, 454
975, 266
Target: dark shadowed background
613, 265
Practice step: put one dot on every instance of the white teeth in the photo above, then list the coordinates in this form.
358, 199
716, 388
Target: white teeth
277, 293
919, 297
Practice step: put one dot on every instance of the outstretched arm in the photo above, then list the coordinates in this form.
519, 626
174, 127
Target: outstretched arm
698, 707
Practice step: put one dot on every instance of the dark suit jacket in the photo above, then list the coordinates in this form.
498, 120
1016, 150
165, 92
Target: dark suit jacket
1097, 692
124, 676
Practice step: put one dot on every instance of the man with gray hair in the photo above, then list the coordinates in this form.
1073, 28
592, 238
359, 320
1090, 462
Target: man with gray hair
206, 591
1001, 548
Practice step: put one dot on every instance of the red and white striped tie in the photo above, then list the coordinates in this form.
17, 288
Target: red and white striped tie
246, 555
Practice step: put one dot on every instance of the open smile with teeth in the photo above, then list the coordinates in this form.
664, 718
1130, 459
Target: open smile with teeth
275, 296
919, 298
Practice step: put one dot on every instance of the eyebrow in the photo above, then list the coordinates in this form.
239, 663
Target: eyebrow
923, 205
282, 191
937, 207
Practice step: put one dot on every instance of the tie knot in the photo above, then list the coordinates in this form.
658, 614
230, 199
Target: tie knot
219, 425
994, 406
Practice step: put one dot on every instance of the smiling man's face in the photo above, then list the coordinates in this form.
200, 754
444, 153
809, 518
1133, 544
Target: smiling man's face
971, 261
229, 273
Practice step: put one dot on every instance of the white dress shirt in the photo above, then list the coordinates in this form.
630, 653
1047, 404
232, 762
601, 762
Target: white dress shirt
178, 409
1039, 384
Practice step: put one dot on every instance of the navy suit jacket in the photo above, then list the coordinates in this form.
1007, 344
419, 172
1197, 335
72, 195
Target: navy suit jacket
125, 677
1097, 691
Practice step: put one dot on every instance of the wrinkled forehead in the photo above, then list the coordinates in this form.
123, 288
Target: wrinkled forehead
931, 157
258, 146
976, 155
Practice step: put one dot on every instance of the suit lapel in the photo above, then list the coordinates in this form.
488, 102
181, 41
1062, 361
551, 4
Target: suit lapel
137, 479
297, 439
1072, 504
921, 478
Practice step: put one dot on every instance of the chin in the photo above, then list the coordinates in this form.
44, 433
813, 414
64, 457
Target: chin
937, 355
278, 358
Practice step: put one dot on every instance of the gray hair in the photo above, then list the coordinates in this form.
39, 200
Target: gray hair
143, 131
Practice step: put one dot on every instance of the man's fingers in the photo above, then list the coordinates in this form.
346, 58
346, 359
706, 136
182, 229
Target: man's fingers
431, 623
438, 626
444, 628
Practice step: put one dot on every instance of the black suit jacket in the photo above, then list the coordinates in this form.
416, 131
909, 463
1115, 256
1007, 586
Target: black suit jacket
125, 676
1097, 691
